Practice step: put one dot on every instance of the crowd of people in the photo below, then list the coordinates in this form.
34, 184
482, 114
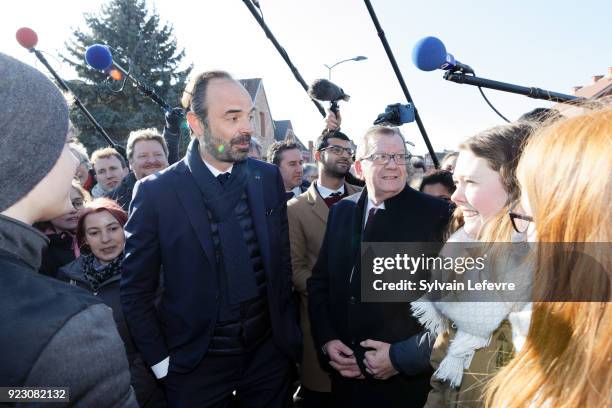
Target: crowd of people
226, 278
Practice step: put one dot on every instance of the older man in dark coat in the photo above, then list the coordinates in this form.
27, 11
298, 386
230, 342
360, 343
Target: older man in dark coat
374, 348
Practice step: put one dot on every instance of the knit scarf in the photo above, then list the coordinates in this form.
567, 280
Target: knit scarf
221, 201
475, 321
96, 274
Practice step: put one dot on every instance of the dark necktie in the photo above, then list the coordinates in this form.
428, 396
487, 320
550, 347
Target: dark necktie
333, 198
371, 215
223, 177
289, 195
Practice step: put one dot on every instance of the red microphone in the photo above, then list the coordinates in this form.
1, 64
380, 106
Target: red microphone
27, 38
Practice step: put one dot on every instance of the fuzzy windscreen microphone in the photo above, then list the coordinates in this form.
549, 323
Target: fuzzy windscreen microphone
324, 90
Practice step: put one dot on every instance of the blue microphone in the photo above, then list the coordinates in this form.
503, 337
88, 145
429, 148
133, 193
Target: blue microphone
98, 56
430, 53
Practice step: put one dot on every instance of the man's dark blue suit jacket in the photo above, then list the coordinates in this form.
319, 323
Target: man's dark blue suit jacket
168, 228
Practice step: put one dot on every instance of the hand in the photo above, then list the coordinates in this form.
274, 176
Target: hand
377, 361
342, 359
173, 119
333, 120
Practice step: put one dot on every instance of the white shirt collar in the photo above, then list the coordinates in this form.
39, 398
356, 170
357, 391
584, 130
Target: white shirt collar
326, 192
296, 191
215, 172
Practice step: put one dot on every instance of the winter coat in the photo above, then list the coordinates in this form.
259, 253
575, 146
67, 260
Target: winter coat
148, 391
485, 363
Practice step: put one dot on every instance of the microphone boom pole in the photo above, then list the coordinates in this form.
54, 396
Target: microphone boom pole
282, 52
144, 88
78, 103
531, 92
417, 117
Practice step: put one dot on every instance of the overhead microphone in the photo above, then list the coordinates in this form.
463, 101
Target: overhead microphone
324, 90
430, 54
27, 38
99, 56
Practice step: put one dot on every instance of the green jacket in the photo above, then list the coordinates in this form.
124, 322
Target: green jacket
485, 363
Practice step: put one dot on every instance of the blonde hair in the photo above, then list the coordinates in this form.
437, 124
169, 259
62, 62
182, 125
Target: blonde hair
565, 173
144, 134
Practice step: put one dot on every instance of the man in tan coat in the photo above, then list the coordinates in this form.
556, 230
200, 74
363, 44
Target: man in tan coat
307, 220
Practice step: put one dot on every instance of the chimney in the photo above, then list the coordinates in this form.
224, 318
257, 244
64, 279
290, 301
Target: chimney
577, 88
597, 78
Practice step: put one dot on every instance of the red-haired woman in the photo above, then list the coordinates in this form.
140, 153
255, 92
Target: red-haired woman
100, 234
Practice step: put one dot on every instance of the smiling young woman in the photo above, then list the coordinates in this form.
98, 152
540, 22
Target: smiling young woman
565, 178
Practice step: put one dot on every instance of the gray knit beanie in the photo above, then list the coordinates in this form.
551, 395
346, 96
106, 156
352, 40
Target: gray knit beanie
33, 128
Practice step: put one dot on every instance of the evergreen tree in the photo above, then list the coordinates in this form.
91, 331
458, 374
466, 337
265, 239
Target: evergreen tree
139, 41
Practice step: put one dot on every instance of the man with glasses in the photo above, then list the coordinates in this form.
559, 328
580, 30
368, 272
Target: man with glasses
307, 218
375, 349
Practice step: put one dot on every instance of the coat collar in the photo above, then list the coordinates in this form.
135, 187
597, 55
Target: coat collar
22, 241
318, 203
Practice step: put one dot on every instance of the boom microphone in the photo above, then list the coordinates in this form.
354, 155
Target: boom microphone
430, 53
324, 90
26, 37
99, 57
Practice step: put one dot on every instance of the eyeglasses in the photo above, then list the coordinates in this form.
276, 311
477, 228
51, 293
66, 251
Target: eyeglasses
520, 222
78, 203
384, 158
338, 150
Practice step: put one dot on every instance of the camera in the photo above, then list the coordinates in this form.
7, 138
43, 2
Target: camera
396, 115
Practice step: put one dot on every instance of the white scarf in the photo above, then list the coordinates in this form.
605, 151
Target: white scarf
475, 321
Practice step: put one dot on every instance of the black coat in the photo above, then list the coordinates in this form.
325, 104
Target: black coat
122, 194
59, 253
335, 286
169, 227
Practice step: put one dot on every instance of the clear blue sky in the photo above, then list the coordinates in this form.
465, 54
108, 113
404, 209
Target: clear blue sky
550, 44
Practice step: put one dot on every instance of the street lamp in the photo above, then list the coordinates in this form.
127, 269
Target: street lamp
357, 58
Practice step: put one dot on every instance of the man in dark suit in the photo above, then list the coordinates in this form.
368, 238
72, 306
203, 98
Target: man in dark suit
216, 224
288, 157
374, 348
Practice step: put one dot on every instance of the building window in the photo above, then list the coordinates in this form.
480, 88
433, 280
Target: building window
262, 124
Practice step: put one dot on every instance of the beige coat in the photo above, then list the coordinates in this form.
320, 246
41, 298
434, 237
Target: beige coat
307, 215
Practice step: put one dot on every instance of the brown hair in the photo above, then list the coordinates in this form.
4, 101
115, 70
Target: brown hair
194, 96
98, 205
566, 176
45, 226
145, 134
105, 153
501, 147
276, 150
